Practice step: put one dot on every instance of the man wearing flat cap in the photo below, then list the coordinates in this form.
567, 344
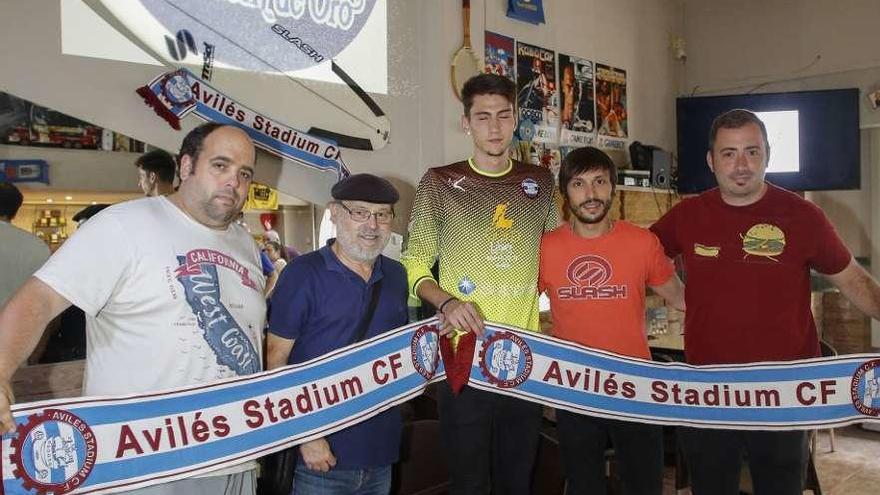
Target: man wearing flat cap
345, 292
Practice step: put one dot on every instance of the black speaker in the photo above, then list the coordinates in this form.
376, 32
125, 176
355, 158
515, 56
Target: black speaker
661, 169
641, 155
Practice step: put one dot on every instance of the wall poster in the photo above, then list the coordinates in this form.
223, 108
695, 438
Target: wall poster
611, 110
577, 117
499, 55
537, 96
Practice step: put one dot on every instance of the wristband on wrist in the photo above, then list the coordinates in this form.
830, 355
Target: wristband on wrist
444, 303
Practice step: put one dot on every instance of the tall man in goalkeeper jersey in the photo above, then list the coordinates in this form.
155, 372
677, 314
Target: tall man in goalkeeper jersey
482, 219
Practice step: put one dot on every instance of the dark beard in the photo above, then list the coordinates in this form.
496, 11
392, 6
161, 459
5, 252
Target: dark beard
606, 207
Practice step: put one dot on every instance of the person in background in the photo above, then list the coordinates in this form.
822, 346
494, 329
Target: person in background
619, 260
139, 272
345, 292
266, 264
21, 253
156, 171
290, 252
269, 272
278, 255
748, 247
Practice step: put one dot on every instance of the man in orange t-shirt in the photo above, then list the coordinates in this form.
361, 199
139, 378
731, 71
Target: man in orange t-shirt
595, 271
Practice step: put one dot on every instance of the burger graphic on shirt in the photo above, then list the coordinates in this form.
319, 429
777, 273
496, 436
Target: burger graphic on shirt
764, 240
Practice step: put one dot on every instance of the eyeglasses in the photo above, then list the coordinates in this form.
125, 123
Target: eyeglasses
360, 215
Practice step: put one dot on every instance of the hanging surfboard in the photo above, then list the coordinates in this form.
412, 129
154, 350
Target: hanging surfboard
252, 48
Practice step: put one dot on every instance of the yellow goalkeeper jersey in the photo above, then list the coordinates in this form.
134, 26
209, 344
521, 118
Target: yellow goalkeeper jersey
485, 231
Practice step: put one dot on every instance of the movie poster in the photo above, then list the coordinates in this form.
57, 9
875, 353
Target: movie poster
537, 98
577, 118
550, 157
611, 111
539, 154
499, 55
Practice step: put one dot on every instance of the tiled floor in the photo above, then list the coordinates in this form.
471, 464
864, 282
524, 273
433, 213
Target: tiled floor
852, 469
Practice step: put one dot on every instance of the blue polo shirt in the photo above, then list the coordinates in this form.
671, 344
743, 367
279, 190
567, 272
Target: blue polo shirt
266, 263
318, 302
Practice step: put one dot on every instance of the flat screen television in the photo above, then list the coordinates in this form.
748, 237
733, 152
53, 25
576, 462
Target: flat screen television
814, 138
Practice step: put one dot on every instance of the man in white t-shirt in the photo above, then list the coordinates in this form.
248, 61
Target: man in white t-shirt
135, 269
21, 253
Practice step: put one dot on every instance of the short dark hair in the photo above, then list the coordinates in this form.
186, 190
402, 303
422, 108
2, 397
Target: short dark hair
160, 162
735, 119
192, 143
282, 252
10, 200
581, 160
486, 84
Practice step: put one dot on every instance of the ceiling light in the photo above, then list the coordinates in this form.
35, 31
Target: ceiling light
50, 200
68, 198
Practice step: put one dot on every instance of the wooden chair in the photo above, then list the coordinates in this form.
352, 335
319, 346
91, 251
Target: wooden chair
827, 351
549, 477
812, 478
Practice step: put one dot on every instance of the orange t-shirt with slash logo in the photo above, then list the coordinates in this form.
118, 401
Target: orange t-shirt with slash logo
597, 286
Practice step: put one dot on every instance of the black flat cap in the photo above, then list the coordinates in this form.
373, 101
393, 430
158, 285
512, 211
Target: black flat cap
365, 187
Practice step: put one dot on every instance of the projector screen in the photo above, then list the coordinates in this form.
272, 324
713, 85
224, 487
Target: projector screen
813, 136
351, 32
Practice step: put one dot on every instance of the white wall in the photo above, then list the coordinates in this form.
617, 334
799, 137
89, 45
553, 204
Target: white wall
71, 169
785, 45
423, 35
792, 45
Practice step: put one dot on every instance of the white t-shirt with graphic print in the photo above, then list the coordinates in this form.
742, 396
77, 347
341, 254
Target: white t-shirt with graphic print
168, 301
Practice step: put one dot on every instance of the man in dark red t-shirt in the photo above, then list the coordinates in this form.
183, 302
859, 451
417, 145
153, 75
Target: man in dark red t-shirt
747, 248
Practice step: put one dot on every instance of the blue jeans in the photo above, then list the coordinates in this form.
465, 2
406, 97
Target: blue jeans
372, 481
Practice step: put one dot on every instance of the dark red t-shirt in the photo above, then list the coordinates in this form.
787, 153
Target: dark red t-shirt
747, 274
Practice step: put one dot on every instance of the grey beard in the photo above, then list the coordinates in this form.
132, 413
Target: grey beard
347, 242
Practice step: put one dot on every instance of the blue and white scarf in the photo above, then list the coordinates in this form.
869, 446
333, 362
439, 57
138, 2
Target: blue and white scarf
109, 444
